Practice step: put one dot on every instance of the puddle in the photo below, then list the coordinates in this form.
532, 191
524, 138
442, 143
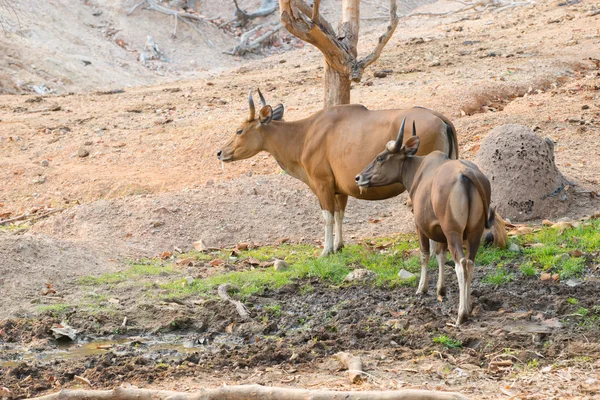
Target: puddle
150, 347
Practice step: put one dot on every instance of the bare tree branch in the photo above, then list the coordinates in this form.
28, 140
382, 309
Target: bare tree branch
359, 67
242, 17
315, 11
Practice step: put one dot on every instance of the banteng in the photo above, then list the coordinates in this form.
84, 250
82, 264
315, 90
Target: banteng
451, 204
327, 149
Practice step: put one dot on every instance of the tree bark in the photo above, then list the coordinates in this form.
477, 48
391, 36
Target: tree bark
337, 87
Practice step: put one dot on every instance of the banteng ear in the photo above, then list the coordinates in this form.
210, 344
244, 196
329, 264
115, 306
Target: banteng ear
265, 115
278, 112
412, 145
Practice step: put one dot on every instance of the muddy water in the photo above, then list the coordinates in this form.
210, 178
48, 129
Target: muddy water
173, 346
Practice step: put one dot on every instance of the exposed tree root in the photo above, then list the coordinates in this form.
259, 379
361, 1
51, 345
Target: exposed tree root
246, 392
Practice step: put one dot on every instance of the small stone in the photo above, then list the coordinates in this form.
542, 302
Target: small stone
242, 246
585, 107
39, 180
280, 265
562, 257
404, 274
380, 74
45, 163
360, 275
514, 248
83, 152
200, 246
572, 283
189, 280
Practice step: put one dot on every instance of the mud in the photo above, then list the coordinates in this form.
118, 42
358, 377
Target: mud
532, 318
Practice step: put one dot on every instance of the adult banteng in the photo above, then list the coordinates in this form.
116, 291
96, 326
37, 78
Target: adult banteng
451, 204
327, 149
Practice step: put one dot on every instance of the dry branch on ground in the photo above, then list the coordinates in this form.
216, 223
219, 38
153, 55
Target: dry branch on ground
245, 392
353, 364
188, 18
479, 6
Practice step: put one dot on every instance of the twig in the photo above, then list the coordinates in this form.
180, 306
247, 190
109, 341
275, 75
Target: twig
34, 217
239, 306
245, 46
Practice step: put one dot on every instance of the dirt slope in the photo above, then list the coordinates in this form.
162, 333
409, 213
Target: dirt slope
154, 147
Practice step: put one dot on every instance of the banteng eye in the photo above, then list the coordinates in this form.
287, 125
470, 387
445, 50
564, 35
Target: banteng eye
240, 132
380, 159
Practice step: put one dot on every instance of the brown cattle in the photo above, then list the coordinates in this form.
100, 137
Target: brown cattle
451, 203
327, 149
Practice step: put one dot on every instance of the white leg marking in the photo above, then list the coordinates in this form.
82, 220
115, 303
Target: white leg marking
339, 241
462, 276
328, 247
441, 284
424, 281
471, 271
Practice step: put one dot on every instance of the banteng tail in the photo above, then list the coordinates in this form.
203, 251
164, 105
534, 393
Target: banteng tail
484, 190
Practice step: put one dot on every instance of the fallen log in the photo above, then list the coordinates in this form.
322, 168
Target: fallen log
245, 392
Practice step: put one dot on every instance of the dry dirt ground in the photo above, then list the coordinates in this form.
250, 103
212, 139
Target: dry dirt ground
151, 181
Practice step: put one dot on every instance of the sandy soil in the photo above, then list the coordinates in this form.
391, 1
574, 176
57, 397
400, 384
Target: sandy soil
151, 181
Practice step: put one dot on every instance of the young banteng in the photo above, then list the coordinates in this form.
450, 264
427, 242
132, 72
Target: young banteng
451, 203
327, 149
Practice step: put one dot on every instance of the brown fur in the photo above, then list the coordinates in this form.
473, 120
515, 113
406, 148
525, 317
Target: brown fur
327, 149
451, 201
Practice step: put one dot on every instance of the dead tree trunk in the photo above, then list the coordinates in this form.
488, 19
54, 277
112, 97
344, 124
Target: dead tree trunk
339, 50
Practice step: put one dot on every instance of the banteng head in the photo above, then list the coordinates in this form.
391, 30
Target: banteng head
386, 169
248, 139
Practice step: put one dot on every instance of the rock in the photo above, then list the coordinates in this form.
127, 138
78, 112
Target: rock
526, 184
242, 246
63, 330
514, 248
189, 280
585, 107
360, 275
45, 163
397, 323
39, 180
573, 282
404, 274
562, 257
200, 246
380, 74
83, 152
280, 266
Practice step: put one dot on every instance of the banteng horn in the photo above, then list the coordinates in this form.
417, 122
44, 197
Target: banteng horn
262, 99
251, 104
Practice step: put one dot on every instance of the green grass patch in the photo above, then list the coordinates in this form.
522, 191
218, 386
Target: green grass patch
528, 269
304, 265
498, 277
141, 269
55, 309
448, 342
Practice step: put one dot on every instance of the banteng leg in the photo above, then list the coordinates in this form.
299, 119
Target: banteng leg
462, 274
424, 281
472, 247
340, 206
440, 254
327, 200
